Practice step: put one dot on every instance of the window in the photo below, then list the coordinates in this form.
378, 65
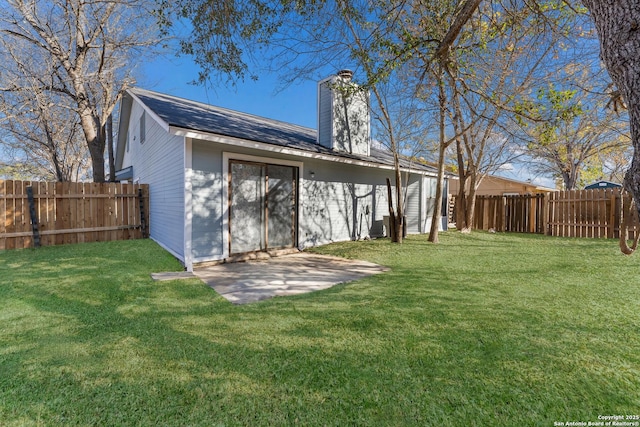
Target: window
143, 130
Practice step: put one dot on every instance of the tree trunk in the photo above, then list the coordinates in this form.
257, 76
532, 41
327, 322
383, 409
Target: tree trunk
96, 150
112, 164
471, 202
461, 206
625, 219
399, 217
468, 8
461, 200
437, 209
95, 135
396, 220
618, 26
393, 226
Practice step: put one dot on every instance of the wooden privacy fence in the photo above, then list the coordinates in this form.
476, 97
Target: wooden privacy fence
67, 212
520, 214
576, 213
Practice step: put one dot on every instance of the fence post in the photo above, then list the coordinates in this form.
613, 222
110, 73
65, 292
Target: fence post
613, 218
34, 217
143, 217
3, 214
544, 214
532, 214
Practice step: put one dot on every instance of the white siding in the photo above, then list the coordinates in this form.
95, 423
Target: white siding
342, 202
413, 204
208, 203
126, 160
159, 162
430, 184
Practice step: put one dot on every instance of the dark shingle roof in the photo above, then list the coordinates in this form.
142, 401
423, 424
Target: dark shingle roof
196, 116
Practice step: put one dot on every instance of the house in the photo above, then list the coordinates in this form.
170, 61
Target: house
600, 185
222, 182
493, 185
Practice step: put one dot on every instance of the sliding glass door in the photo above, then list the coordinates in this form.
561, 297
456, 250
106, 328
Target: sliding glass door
262, 206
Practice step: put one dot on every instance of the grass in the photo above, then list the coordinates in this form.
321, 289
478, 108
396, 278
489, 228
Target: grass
480, 330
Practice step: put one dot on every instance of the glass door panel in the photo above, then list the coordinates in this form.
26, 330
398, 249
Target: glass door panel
281, 206
247, 213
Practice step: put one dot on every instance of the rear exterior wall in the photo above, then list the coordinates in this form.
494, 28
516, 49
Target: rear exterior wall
346, 202
159, 162
336, 201
208, 204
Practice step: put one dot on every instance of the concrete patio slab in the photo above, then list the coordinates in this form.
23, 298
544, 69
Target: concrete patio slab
250, 281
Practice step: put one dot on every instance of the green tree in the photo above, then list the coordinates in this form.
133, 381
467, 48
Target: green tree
490, 69
573, 132
381, 37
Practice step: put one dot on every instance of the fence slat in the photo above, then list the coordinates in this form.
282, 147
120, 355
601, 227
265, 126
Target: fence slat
3, 213
69, 212
22, 213
575, 213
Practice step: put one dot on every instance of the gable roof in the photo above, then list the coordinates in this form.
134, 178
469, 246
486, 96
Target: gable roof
179, 113
523, 183
196, 116
602, 184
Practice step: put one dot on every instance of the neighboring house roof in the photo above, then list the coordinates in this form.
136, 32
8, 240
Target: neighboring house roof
540, 188
207, 119
602, 184
497, 185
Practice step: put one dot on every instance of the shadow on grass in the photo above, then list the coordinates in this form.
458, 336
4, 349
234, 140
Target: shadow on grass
436, 341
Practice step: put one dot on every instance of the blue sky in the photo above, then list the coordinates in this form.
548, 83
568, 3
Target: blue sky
296, 104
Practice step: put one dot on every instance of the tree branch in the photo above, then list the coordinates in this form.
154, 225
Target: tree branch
461, 19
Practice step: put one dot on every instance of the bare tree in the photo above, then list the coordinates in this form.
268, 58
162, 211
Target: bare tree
90, 48
49, 138
39, 132
443, 144
507, 51
612, 165
618, 26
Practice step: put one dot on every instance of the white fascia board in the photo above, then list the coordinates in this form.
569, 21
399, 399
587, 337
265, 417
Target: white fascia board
238, 142
164, 125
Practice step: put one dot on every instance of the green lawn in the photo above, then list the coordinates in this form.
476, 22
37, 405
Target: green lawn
480, 330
